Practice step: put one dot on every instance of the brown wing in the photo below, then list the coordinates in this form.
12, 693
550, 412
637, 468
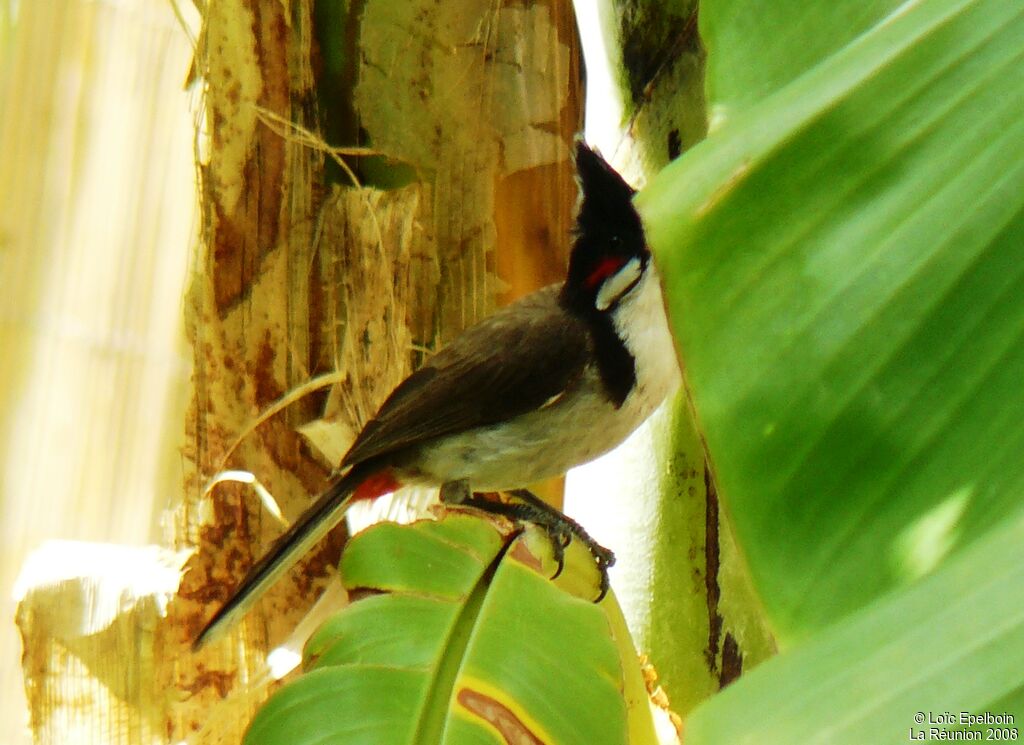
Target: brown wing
508, 364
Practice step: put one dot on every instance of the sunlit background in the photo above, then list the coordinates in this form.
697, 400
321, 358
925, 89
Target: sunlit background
97, 219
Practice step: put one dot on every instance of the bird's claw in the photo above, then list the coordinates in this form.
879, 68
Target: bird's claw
559, 528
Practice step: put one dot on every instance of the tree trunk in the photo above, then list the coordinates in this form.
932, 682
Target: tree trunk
681, 581
346, 268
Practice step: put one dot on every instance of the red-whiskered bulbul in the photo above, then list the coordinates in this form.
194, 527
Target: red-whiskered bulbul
549, 382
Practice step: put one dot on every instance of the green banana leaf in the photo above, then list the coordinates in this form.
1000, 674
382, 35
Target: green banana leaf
461, 638
952, 645
844, 267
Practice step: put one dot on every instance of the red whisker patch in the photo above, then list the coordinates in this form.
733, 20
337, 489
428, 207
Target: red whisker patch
604, 269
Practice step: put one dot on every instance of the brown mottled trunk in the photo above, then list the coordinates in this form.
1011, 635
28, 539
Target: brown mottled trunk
313, 268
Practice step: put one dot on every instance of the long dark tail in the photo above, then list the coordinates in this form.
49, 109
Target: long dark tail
304, 533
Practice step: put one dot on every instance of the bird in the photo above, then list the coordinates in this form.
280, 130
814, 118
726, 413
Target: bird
549, 382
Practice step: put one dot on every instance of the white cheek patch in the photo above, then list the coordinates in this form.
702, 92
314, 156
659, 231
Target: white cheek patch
618, 284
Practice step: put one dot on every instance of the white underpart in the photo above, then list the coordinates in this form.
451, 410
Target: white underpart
573, 428
642, 325
617, 284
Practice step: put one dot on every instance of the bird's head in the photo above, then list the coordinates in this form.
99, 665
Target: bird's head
609, 253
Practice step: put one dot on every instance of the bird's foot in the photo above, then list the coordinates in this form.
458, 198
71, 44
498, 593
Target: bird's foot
559, 528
